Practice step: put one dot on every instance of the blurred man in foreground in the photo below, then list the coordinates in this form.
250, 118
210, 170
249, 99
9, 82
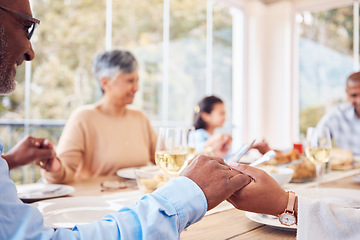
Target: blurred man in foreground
205, 183
161, 215
15, 31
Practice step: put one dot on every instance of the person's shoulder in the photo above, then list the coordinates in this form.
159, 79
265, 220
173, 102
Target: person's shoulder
337, 114
342, 109
201, 130
84, 111
345, 107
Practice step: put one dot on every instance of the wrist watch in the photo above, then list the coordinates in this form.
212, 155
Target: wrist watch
288, 217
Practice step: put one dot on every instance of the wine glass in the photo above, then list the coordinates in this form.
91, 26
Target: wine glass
172, 150
191, 143
318, 147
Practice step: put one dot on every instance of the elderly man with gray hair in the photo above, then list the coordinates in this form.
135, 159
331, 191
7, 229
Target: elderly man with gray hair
101, 138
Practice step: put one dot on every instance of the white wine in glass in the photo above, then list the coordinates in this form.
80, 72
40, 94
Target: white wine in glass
318, 147
191, 143
171, 150
191, 151
318, 155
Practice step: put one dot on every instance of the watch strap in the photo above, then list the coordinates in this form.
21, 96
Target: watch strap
291, 202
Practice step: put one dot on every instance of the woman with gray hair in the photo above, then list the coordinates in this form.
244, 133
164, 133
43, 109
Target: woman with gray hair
101, 138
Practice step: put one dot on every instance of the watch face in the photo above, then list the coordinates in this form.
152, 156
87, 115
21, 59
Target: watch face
287, 219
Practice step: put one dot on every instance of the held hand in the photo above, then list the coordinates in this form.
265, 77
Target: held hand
262, 147
215, 178
28, 150
262, 195
52, 164
219, 144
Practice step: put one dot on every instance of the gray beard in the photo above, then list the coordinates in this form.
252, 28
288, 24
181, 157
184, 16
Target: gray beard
7, 83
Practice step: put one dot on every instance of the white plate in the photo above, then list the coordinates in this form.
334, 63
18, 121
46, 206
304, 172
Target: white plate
339, 196
126, 173
269, 220
70, 211
37, 191
129, 172
357, 178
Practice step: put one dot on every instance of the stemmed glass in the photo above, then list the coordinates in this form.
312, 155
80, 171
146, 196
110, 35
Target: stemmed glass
171, 154
318, 147
191, 143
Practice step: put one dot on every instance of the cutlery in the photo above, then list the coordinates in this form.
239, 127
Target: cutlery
241, 152
268, 216
52, 191
266, 157
291, 163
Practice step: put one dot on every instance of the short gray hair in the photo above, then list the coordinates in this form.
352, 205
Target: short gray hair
111, 63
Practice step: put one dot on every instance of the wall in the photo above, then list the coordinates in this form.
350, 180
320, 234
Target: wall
270, 73
279, 90
254, 12
267, 73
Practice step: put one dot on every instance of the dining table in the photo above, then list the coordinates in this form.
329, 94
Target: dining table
223, 222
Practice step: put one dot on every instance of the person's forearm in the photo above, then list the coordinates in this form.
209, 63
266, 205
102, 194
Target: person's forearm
161, 215
62, 176
9, 161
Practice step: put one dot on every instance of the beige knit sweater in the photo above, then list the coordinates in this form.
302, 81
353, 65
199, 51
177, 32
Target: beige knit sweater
95, 144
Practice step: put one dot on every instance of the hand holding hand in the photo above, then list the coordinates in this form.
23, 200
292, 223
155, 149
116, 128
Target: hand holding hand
219, 144
52, 164
262, 147
31, 149
215, 178
262, 195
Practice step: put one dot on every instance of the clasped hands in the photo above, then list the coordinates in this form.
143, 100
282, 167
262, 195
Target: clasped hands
31, 149
245, 187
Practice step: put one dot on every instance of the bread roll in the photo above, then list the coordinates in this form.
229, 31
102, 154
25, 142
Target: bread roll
341, 159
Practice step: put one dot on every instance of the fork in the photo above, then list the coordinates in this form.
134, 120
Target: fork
52, 191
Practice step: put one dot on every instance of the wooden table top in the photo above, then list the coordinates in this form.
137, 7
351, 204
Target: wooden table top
93, 187
229, 224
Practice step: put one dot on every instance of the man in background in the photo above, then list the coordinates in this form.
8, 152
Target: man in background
344, 120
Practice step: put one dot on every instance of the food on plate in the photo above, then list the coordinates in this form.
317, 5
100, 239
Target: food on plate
341, 159
306, 169
269, 169
282, 158
149, 185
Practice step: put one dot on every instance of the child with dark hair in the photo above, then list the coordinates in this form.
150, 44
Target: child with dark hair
209, 114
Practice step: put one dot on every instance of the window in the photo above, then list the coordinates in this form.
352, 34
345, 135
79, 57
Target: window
184, 48
325, 61
138, 26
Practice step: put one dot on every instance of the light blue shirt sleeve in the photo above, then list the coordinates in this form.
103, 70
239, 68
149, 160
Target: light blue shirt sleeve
201, 136
161, 215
